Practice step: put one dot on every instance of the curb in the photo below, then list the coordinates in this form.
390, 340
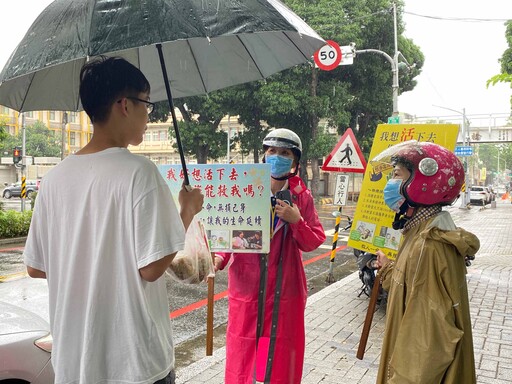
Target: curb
13, 240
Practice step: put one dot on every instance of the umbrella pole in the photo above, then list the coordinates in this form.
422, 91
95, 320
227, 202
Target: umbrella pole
173, 113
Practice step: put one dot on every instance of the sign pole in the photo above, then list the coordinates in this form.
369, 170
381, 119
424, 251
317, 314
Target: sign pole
209, 316
330, 276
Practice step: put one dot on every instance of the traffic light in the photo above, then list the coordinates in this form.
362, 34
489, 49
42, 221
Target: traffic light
16, 155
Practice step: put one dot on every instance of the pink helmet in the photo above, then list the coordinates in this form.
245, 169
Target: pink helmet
437, 174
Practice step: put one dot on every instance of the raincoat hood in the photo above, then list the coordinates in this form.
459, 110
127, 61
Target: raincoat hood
443, 229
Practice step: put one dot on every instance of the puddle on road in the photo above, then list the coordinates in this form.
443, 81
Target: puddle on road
194, 350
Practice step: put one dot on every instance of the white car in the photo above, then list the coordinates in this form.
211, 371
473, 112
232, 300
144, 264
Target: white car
25, 347
480, 195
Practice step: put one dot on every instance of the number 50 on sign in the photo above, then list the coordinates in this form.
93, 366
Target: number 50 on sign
329, 56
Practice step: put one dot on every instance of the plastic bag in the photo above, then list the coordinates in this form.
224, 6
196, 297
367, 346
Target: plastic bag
193, 264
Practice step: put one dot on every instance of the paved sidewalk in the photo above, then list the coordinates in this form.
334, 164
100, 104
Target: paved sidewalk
335, 316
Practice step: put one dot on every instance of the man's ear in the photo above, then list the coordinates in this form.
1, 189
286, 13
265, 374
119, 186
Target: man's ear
123, 106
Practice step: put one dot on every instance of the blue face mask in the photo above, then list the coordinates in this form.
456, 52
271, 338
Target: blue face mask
279, 165
392, 196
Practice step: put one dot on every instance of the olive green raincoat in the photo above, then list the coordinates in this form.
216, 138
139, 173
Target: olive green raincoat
428, 336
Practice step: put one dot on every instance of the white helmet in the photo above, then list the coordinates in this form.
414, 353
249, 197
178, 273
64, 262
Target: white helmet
284, 138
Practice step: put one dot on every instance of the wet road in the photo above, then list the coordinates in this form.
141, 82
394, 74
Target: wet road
187, 302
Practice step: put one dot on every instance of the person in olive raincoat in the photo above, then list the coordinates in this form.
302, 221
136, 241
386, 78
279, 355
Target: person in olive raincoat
428, 337
258, 352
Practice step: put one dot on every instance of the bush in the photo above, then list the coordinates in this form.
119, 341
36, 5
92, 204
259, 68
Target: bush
14, 224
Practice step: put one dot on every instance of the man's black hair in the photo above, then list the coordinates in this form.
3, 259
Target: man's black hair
105, 80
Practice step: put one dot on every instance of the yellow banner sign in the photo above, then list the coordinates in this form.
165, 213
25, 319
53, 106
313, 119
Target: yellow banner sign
372, 228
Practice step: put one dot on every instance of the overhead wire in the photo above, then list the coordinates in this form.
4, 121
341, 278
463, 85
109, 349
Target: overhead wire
462, 19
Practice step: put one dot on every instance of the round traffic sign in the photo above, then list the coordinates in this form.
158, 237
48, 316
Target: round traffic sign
329, 56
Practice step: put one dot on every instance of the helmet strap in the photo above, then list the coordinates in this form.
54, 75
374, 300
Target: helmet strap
403, 216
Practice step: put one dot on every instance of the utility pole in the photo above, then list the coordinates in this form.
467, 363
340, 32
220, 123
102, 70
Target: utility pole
392, 60
23, 163
395, 64
465, 196
229, 138
63, 134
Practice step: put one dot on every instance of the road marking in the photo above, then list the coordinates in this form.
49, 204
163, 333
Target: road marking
13, 276
201, 303
223, 294
11, 249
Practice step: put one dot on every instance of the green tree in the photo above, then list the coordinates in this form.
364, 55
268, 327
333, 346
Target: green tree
243, 101
39, 141
3, 130
199, 130
492, 154
301, 97
506, 62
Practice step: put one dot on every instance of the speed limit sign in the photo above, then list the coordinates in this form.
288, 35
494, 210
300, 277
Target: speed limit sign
329, 56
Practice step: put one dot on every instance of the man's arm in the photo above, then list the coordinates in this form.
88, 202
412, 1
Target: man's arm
36, 273
191, 203
153, 271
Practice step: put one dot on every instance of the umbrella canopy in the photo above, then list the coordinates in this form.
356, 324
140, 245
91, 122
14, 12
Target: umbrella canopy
206, 45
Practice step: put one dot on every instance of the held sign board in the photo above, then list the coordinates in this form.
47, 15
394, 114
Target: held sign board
236, 200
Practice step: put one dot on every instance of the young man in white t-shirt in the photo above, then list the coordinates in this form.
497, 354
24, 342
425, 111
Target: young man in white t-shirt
104, 230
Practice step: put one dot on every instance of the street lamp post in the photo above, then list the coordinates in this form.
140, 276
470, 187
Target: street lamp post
23, 158
394, 69
393, 61
465, 196
63, 135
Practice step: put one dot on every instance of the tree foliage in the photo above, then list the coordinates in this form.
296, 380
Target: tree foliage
39, 141
3, 130
492, 154
506, 62
305, 99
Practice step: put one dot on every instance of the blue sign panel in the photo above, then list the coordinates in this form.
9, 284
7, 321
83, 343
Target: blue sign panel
464, 150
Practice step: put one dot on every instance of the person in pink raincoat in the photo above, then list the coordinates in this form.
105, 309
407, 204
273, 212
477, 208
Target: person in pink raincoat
273, 351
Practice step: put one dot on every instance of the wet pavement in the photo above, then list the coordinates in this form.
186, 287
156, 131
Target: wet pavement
335, 316
189, 318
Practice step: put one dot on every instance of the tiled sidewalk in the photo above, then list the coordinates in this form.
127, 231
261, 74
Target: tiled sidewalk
335, 316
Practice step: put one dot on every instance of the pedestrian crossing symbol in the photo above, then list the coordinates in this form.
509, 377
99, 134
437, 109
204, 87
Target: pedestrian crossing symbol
346, 156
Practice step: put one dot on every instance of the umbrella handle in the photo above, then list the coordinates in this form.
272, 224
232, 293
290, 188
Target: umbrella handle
173, 114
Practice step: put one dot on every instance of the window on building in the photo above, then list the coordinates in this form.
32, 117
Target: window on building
72, 138
163, 135
4, 110
73, 117
155, 135
147, 136
29, 114
52, 115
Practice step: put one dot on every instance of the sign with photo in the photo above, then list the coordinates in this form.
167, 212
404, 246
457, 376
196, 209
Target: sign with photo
236, 211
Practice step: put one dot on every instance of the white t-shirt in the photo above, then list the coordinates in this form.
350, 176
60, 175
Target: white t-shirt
98, 219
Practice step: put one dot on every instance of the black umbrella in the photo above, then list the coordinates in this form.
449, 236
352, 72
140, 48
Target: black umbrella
197, 45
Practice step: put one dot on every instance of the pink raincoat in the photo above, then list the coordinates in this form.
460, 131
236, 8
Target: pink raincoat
243, 280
